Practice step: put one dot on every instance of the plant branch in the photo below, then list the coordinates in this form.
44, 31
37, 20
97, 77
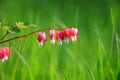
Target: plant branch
4, 35
18, 37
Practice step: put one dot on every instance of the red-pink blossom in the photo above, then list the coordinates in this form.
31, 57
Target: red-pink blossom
64, 34
74, 33
67, 32
67, 35
4, 53
41, 38
70, 33
59, 37
52, 36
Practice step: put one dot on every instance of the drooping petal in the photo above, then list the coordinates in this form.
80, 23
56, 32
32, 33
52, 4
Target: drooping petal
4, 53
74, 34
52, 36
59, 42
67, 33
41, 38
66, 40
41, 44
59, 35
52, 41
52, 33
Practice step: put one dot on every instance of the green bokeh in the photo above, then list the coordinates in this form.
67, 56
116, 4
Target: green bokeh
95, 55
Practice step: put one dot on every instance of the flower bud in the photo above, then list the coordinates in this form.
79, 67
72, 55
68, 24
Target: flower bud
4, 53
74, 34
59, 37
52, 36
41, 38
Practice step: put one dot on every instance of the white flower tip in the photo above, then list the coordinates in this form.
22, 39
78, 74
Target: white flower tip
52, 42
41, 44
66, 41
4, 59
59, 42
74, 38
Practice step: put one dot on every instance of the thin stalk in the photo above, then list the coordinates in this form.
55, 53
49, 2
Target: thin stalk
4, 35
66, 78
91, 72
25, 35
117, 51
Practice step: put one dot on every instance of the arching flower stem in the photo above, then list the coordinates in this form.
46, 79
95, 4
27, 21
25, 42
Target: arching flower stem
28, 34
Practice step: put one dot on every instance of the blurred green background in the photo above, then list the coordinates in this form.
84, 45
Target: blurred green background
95, 55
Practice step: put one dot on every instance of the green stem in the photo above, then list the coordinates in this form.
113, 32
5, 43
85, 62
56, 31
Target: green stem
4, 35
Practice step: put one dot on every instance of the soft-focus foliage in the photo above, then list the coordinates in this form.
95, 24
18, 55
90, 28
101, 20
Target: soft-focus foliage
15, 28
94, 56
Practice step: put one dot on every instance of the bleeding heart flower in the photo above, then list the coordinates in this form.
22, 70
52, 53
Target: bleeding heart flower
52, 36
70, 33
67, 35
41, 38
59, 37
4, 53
74, 34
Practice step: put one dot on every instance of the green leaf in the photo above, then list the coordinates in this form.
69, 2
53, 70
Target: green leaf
24, 25
14, 29
4, 26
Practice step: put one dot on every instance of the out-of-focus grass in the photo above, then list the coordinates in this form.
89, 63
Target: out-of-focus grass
95, 55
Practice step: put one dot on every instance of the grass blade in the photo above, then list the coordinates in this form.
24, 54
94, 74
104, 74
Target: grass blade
24, 61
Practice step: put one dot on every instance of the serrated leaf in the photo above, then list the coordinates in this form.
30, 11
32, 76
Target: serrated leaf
24, 25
